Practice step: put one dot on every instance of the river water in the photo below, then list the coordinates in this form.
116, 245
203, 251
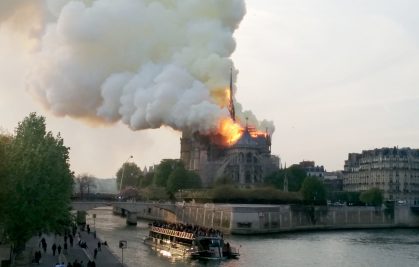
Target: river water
388, 247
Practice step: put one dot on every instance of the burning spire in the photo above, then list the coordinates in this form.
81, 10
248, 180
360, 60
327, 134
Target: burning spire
231, 100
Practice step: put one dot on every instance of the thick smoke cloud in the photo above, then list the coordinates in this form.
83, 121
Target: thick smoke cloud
147, 63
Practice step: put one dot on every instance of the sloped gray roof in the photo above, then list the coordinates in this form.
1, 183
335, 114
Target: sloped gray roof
246, 140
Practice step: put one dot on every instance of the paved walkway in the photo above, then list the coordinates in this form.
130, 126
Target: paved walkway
104, 258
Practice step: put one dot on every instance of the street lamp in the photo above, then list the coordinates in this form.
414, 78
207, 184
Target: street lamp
123, 171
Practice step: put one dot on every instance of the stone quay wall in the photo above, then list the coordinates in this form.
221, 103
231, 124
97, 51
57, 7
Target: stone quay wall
259, 219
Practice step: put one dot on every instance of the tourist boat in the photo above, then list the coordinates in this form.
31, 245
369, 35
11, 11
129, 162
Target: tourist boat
182, 244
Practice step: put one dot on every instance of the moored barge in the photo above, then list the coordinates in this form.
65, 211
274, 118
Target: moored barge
187, 241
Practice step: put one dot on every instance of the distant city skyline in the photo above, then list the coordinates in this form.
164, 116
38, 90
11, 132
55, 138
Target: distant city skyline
335, 77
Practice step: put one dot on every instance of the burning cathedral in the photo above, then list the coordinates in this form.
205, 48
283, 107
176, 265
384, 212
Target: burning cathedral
156, 79
243, 155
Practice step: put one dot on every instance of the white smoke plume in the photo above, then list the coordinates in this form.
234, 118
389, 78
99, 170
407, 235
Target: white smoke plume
147, 63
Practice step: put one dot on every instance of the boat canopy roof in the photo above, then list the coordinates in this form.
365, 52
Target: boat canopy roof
174, 233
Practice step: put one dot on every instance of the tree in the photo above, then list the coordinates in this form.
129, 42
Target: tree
146, 180
130, 174
295, 175
223, 180
163, 171
85, 182
39, 182
313, 191
373, 196
5, 141
180, 178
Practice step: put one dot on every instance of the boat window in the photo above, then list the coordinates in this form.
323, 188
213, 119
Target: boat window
215, 243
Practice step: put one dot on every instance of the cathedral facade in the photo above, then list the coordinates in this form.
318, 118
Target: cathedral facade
246, 163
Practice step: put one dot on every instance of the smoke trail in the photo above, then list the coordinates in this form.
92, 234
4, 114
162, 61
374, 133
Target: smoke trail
147, 63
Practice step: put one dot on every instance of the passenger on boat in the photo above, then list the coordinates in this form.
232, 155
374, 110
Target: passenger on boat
189, 228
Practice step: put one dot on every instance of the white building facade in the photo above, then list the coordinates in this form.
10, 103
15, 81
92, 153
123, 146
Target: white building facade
395, 171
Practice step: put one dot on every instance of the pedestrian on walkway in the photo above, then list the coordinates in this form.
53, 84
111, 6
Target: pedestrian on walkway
54, 247
88, 229
71, 241
37, 257
99, 246
74, 230
44, 245
95, 253
59, 249
65, 248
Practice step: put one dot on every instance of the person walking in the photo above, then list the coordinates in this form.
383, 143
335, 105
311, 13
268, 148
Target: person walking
71, 240
54, 248
59, 249
44, 245
65, 248
37, 257
99, 246
95, 253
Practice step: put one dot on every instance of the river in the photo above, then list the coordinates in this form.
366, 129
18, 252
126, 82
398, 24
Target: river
385, 247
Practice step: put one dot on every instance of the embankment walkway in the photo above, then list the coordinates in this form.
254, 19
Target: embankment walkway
104, 258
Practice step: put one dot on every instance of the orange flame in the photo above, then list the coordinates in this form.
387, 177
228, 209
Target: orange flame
230, 130
255, 133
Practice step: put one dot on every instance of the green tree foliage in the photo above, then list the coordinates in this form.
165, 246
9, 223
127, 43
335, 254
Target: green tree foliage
180, 178
295, 175
5, 141
130, 174
146, 180
223, 180
266, 195
313, 191
154, 193
373, 196
163, 171
39, 182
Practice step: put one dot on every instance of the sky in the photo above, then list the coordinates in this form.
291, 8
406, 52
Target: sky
335, 77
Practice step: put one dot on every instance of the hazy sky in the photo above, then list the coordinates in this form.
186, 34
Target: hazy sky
334, 76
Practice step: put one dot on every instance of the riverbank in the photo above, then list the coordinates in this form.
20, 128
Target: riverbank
249, 219
105, 257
